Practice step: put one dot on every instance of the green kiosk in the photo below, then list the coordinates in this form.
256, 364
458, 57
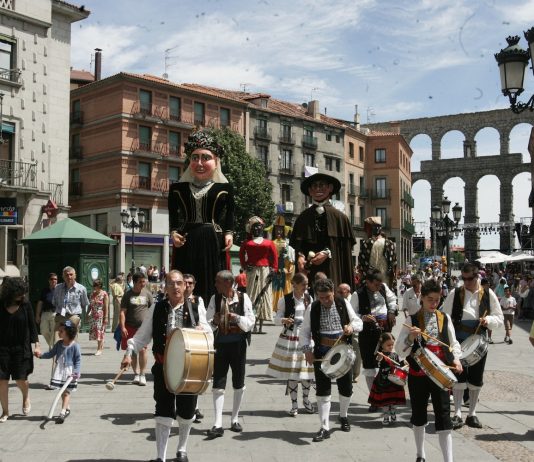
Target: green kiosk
66, 243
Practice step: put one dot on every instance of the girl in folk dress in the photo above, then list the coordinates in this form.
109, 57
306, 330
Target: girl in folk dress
98, 312
384, 393
287, 361
68, 362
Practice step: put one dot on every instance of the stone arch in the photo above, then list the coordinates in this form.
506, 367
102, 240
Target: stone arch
452, 143
519, 136
487, 142
421, 145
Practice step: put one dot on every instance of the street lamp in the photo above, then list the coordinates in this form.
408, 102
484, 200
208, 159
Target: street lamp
133, 220
446, 227
512, 62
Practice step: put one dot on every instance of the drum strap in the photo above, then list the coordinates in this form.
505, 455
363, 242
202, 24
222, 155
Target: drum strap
191, 316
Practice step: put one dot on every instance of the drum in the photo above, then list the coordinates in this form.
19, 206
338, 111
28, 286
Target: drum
474, 348
188, 361
434, 368
398, 376
338, 361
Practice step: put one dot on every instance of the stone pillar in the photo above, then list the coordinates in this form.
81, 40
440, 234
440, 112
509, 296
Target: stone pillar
436, 196
471, 237
505, 142
507, 215
470, 148
436, 147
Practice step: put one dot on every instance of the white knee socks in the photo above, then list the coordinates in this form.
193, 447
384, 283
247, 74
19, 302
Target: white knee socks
458, 395
184, 425
344, 403
218, 405
369, 377
419, 434
473, 400
163, 431
445, 442
323, 403
238, 398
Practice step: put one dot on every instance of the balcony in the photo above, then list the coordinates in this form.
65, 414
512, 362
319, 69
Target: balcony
145, 183
76, 117
19, 175
408, 198
11, 75
153, 147
262, 133
286, 169
408, 227
381, 194
309, 142
56, 192
75, 188
363, 192
287, 138
352, 190
76, 152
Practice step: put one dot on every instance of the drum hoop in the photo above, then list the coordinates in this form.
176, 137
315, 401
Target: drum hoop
434, 371
167, 343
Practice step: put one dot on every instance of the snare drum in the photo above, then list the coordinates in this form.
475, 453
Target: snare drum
338, 361
434, 368
474, 348
398, 376
188, 362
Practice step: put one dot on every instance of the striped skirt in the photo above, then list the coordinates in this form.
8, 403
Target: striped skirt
287, 361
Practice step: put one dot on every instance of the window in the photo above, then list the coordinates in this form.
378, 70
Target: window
286, 132
285, 193
380, 188
352, 189
361, 153
287, 159
380, 155
362, 185
338, 165
144, 175
174, 174
148, 220
7, 147
351, 150
328, 163
224, 115
7, 60
328, 136
263, 155
309, 160
351, 215
75, 148
175, 143
12, 239
199, 113
175, 108
101, 220
382, 213
75, 188
338, 139
76, 112
145, 102
75, 175
362, 214
308, 131
145, 138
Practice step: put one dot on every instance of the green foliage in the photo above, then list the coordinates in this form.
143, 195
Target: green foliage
253, 191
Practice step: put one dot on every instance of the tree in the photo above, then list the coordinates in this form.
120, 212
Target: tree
252, 189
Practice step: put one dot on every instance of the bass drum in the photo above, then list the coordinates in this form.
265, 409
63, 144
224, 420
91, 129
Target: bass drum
338, 361
188, 363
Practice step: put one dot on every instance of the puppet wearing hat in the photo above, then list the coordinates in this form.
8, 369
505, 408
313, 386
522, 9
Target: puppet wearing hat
286, 260
378, 252
324, 231
260, 258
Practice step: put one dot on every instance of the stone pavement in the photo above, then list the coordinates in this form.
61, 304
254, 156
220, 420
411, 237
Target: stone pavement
118, 426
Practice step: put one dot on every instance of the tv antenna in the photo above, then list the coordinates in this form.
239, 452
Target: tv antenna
167, 59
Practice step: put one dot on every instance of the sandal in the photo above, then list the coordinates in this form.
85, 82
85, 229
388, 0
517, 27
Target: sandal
3, 418
26, 410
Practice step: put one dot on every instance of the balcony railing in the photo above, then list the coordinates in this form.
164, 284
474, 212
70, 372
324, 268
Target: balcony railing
146, 183
408, 227
76, 152
378, 194
56, 192
153, 147
363, 192
309, 142
287, 138
286, 169
76, 117
18, 174
408, 198
75, 188
262, 133
11, 75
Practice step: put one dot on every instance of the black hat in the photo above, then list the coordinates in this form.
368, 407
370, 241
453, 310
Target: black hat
305, 185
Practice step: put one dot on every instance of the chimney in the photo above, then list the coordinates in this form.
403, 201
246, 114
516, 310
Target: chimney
98, 63
313, 109
356, 117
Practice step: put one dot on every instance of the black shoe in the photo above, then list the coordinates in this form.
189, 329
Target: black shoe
473, 422
321, 435
198, 414
510, 341
457, 422
181, 456
373, 408
345, 425
215, 432
236, 427
155, 460
420, 459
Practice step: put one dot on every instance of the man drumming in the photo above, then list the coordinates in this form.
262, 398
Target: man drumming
469, 306
161, 320
231, 313
328, 319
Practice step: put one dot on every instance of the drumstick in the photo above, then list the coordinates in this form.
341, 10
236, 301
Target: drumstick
111, 385
480, 323
430, 337
392, 360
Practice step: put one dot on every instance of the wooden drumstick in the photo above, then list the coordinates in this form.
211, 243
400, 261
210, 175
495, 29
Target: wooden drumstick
430, 337
480, 323
111, 385
392, 360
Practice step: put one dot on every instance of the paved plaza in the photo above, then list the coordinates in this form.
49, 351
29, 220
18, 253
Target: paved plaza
118, 425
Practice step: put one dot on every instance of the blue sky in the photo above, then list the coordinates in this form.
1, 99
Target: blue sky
394, 59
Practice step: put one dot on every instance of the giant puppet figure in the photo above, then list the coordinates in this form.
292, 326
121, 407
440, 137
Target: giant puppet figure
201, 214
378, 252
322, 233
286, 261
260, 259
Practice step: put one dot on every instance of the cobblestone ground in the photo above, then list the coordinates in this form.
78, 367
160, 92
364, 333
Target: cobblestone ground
505, 446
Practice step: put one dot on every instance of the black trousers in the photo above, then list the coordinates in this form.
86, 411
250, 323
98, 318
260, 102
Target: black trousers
368, 339
474, 374
168, 404
420, 388
230, 355
324, 383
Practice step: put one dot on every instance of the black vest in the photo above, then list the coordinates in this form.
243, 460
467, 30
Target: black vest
364, 304
240, 310
159, 323
315, 320
289, 302
458, 307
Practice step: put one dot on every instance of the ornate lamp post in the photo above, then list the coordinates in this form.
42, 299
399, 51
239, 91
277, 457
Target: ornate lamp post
446, 227
133, 220
512, 62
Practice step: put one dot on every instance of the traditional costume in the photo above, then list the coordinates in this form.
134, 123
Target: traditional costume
286, 261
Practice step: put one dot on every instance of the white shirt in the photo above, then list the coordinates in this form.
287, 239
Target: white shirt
411, 302
508, 305
380, 309
300, 308
245, 322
